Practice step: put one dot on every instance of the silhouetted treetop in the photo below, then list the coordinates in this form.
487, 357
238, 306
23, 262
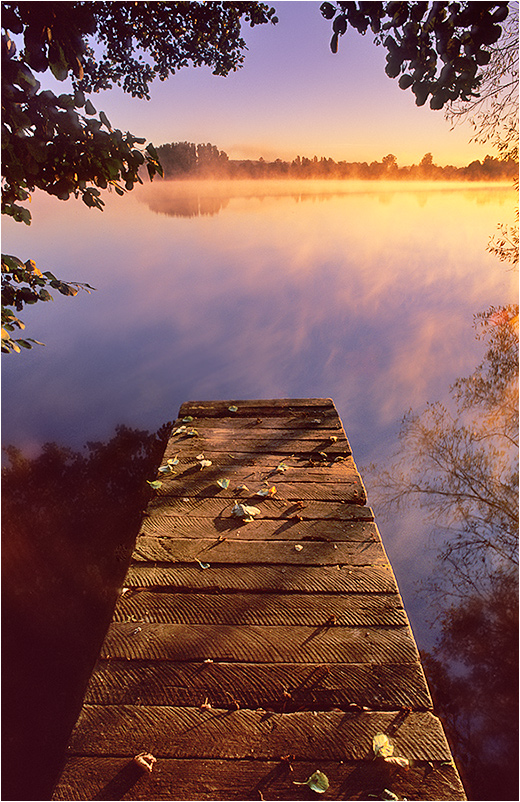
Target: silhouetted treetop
435, 49
188, 160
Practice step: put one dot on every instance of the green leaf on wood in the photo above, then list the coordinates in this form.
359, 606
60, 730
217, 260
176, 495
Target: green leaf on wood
318, 782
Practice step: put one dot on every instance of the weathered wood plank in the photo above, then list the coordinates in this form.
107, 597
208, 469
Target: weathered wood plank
253, 460
268, 407
281, 687
349, 493
158, 525
269, 508
98, 777
186, 732
309, 421
343, 471
219, 439
281, 444
249, 428
263, 578
265, 609
259, 644
165, 549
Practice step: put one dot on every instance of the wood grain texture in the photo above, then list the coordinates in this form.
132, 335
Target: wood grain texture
224, 430
159, 524
281, 444
263, 578
96, 777
324, 421
259, 644
244, 656
249, 552
269, 508
269, 407
259, 460
186, 732
282, 687
339, 472
264, 609
200, 487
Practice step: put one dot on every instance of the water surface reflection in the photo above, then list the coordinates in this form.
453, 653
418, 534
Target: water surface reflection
69, 520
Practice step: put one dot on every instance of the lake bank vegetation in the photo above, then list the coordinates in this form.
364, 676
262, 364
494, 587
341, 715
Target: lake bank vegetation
189, 160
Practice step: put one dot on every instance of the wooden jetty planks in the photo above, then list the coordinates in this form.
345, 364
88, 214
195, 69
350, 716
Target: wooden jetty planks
240, 734
251, 552
283, 687
268, 508
264, 578
258, 644
247, 779
262, 609
235, 643
162, 525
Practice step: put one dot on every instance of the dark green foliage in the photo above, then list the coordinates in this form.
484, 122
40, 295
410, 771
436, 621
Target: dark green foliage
182, 158
23, 283
436, 48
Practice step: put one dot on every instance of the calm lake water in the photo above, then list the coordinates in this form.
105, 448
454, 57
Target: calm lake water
363, 292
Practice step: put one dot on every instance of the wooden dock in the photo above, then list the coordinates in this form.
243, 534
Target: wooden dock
250, 649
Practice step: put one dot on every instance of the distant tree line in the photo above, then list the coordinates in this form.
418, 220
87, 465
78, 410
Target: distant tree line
188, 160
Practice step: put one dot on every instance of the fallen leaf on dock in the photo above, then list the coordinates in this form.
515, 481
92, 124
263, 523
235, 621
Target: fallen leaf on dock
245, 511
382, 746
318, 782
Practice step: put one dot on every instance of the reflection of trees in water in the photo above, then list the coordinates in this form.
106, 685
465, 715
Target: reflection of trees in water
462, 466
69, 523
189, 205
198, 199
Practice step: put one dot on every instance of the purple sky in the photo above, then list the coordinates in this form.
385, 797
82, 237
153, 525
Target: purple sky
293, 96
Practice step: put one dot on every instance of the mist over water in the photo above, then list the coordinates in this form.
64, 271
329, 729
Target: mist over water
360, 291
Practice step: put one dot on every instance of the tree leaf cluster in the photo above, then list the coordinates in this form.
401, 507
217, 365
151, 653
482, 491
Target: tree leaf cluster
436, 49
23, 283
182, 34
